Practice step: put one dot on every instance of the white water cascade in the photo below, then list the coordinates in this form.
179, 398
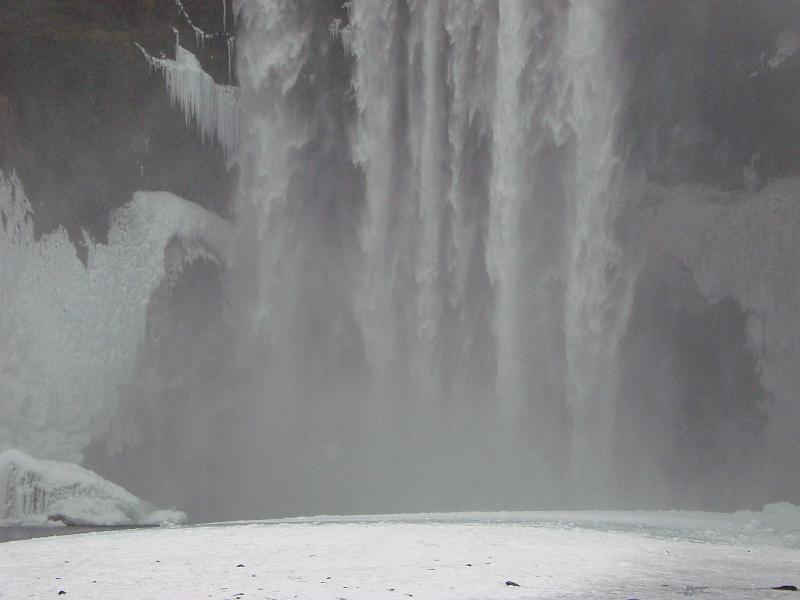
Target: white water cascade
481, 254
431, 278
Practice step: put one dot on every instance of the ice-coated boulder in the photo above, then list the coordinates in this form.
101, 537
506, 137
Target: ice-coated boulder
36, 491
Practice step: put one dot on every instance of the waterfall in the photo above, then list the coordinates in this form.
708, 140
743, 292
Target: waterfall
428, 200
480, 254
599, 281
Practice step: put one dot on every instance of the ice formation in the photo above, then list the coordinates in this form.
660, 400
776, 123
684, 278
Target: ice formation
231, 43
343, 34
69, 333
746, 246
35, 491
200, 36
787, 44
213, 108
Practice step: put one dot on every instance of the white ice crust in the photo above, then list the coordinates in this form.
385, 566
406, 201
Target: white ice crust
69, 332
41, 491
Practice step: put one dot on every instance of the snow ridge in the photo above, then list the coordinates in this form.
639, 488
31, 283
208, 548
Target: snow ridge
34, 491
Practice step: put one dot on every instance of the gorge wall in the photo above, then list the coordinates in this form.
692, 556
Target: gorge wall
471, 254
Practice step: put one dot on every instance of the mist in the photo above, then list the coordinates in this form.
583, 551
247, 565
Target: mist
420, 256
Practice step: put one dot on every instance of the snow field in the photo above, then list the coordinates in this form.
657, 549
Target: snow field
368, 560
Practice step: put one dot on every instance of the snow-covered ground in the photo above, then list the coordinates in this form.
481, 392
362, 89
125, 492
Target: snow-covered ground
549, 555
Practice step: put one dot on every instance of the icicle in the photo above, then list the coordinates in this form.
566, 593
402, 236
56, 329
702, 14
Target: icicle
347, 36
231, 43
214, 108
344, 34
200, 36
334, 28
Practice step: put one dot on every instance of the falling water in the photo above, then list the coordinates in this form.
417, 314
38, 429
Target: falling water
599, 282
427, 239
473, 262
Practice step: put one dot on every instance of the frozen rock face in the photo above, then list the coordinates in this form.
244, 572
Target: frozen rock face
720, 293
84, 120
449, 287
752, 254
71, 332
34, 491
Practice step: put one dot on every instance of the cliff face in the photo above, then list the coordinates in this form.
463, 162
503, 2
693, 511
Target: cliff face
713, 89
85, 122
709, 367
709, 123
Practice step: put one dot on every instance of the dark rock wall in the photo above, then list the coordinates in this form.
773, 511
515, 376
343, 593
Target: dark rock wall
704, 100
692, 413
85, 122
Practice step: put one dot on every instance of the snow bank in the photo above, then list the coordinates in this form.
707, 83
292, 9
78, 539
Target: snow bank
69, 332
35, 491
782, 518
774, 525
392, 560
